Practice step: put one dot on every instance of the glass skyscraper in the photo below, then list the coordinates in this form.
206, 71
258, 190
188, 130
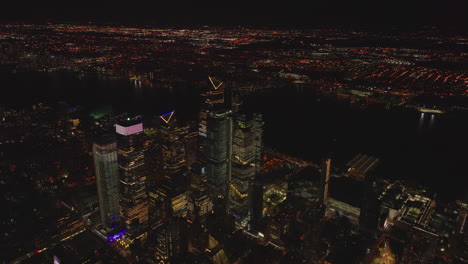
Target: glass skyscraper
107, 179
215, 139
133, 195
199, 204
246, 163
172, 148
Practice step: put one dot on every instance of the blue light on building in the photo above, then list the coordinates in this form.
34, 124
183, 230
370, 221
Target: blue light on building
113, 238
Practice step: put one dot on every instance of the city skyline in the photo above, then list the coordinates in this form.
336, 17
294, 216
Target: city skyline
234, 133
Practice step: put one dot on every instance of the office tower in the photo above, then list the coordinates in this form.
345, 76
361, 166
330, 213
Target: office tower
107, 179
191, 145
360, 165
324, 180
198, 236
172, 239
130, 157
246, 163
215, 139
152, 160
69, 223
199, 204
158, 206
200, 207
370, 207
172, 149
311, 218
198, 178
359, 168
256, 208
167, 200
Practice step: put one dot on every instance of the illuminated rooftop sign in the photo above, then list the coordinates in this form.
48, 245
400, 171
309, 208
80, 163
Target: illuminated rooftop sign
215, 86
167, 117
129, 130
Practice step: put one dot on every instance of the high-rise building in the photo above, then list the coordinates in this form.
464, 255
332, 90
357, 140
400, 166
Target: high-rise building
158, 206
152, 160
215, 141
168, 190
172, 149
360, 168
69, 223
312, 219
360, 165
167, 200
199, 204
246, 163
369, 213
107, 179
133, 197
191, 145
172, 239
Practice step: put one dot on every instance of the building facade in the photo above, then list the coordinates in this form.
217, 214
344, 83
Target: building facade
133, 195
215, 141
172, 148
246, 163
107, 179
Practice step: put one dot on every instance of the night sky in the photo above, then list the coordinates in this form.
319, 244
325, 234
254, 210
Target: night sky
262, 13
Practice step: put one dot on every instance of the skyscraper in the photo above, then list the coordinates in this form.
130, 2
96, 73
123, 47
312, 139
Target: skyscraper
133, 197
172, 239
107, 179
199, 204
168, 200
215, 134
172, 148
370, 207
191, 144
246, 163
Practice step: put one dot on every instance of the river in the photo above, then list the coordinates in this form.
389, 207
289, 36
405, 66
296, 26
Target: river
421, 148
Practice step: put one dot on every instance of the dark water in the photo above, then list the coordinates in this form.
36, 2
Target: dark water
431, 150
26, 88
426, 149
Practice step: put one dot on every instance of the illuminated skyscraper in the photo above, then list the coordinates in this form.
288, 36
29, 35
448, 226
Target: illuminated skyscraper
107, 179
172, 148
172, 239
167, 200
133, 197
246, 163
158, 205
69, 223
152, 160
215, 134
199, 204
191, 145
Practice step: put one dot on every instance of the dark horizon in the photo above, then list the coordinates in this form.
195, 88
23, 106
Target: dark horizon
446, 14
